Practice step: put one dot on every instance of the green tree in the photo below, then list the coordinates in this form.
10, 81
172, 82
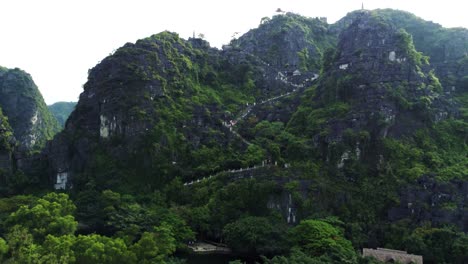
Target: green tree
179, 228
51, 214
196, 217
317, 238
164, 237
57, 250
439, 245
147, 250
21, 245
154, 247
296, 257
247, 197
256, 235
100, 249
3, 248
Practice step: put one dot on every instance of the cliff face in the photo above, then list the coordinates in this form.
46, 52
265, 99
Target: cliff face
22, 103
288, 42
379, 100
375, 81
362, 118
433, 201
447, 48
387, 84
160, 108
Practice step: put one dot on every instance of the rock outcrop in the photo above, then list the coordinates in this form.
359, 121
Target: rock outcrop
288, 42
433, 201
447, 48
377, 97
22, 103
386, 83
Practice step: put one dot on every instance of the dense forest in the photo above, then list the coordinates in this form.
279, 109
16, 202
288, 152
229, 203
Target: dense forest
298, 142
61, 111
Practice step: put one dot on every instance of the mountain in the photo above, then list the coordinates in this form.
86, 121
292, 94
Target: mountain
7, 142
61, 111
166, 102
354, 126
22, 103
379, 122
155, 109
158, 108
289, 42
447, 48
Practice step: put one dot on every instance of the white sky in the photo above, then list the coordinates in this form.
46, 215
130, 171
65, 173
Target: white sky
57, 41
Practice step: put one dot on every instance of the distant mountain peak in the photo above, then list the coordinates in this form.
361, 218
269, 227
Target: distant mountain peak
27, 112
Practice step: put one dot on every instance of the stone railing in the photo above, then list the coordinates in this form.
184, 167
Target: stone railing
232, 171
391, 255
242, 171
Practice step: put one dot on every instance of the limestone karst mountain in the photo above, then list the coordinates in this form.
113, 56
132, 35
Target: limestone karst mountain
446, 48
160, 105
167, 107
22, 103
360, 125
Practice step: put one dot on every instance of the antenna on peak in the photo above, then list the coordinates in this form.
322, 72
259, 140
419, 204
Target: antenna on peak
362, 6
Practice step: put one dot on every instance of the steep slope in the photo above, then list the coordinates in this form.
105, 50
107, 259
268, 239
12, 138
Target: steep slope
293, 45
155, 110
376, 64
161, 108
27, 113
61, 111
447, 48
165, 105
244, 142
377, 122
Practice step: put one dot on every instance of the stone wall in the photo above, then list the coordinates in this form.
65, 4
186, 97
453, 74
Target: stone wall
392, 256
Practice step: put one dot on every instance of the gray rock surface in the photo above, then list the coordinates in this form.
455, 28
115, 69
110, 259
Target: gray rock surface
27, 113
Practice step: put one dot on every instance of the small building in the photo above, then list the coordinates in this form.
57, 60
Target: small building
392, 256
297, 73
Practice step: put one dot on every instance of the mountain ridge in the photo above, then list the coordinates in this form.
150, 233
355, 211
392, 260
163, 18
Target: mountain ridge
347, 124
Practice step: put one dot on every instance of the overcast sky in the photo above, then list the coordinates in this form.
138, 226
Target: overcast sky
57, 41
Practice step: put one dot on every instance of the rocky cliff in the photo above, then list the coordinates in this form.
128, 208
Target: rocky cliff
22, 103
377, 71
164, 104
447, 48
297, 119
160, 108
288, 42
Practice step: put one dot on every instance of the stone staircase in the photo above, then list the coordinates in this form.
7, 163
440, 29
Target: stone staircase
244, 113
